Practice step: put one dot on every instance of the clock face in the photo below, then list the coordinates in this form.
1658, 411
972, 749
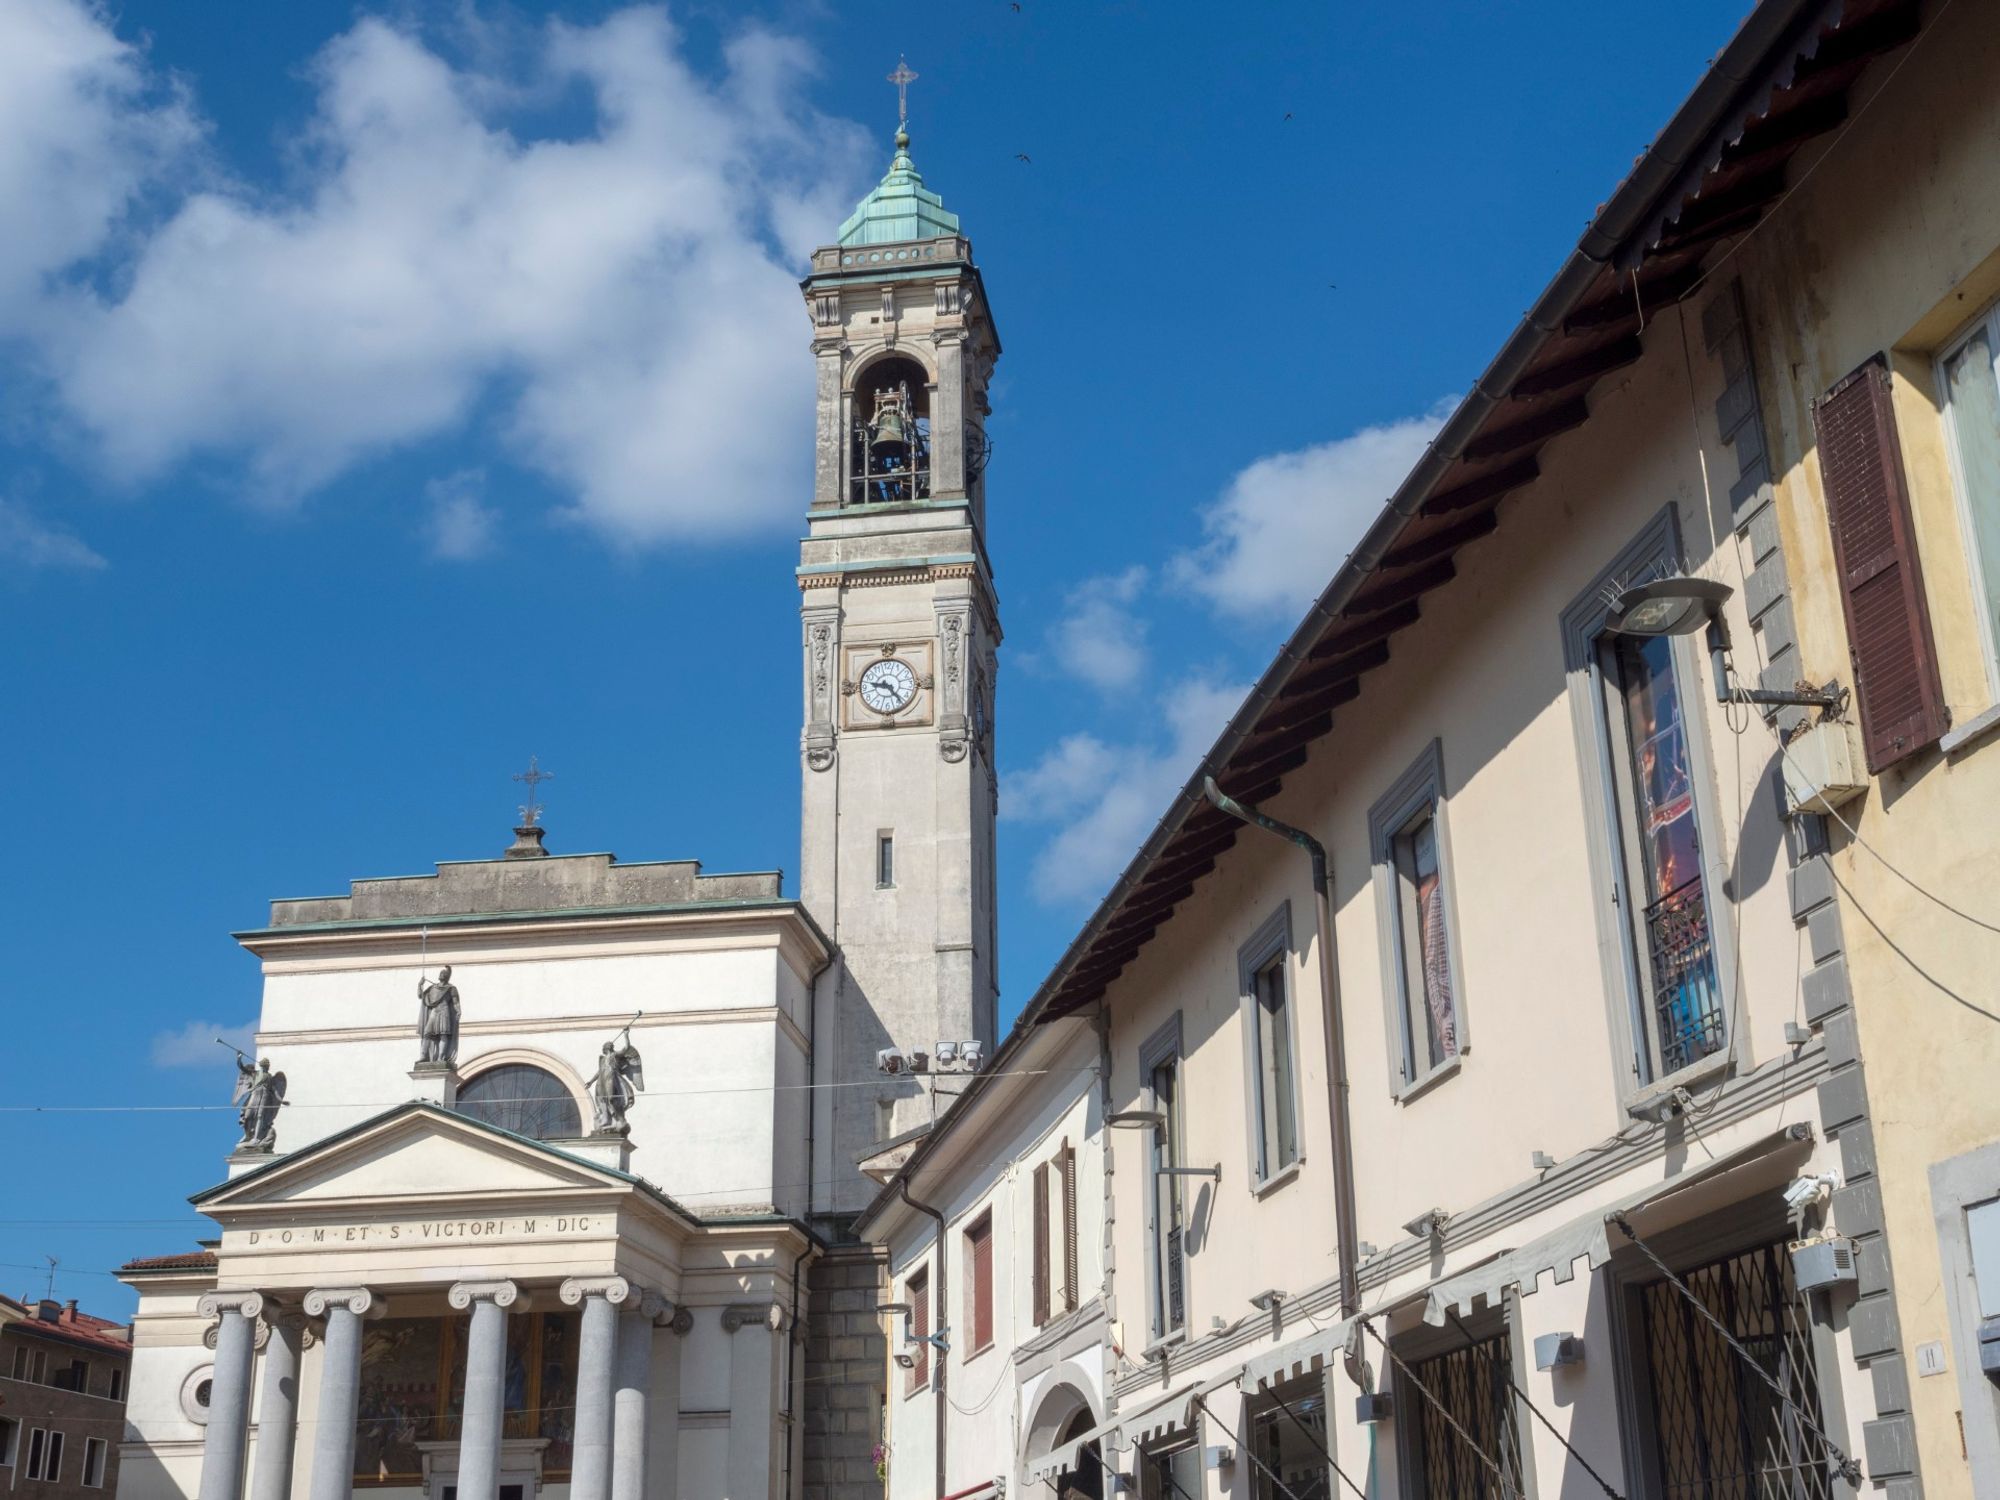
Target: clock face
888, 686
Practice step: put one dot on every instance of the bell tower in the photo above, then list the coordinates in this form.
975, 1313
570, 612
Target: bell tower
900, 634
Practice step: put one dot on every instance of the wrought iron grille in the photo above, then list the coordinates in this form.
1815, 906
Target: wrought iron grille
1475, 1384
1176, 1303
1722, 1433
1687, 1000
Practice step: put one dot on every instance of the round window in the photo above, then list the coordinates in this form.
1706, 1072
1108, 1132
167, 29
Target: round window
195, 1393
522, 1098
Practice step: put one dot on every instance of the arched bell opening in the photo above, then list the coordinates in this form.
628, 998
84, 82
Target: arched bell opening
889, 462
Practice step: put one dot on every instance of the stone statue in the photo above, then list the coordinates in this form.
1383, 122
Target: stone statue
437, 1020
620, 1077
259, 1092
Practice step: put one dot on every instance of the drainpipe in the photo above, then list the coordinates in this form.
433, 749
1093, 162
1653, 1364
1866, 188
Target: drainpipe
793, 1437
937, 1355
1336, 1050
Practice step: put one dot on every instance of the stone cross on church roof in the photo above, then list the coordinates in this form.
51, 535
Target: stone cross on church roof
529, 831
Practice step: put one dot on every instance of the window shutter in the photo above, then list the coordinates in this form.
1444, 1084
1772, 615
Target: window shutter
1881, 581
979, 1276
1066, 1174
1041, 1258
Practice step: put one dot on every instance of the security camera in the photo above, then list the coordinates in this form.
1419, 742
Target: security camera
1660, 1108
890, 1060
906, 1361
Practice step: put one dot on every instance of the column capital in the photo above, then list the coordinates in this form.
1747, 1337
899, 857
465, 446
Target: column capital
215, 1304
613, 1289
502, 1294
769, 1315
358, 1300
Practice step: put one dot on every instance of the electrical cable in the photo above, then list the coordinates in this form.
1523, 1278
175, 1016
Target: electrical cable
1849, 1469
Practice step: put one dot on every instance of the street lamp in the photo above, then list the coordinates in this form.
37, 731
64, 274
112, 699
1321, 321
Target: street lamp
1680, 606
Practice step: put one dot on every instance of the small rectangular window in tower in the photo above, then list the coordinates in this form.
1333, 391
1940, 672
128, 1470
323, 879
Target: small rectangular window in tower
917, 1292
885, 861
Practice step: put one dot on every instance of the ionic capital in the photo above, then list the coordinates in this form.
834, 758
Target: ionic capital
215, 1304
682, 1322
748, 1314
358, 1300
502, 1294
613, 1289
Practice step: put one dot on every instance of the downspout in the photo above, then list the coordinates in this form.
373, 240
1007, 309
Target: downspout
792, 1436
1345, 1237
938, 1354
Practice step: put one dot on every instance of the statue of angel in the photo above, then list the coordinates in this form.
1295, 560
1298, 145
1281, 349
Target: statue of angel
620, 1077
259, 1094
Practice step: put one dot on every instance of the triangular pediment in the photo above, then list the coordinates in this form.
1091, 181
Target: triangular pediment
414, 1152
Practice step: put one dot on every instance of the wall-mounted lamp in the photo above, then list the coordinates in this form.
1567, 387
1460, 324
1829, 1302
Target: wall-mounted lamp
1366, 1250
1682, 606
1543, 1162
1269, 1298
1220, 1456
1657, 1109
1553, 1349
1372, 1407
1429, 1224
1137, 1119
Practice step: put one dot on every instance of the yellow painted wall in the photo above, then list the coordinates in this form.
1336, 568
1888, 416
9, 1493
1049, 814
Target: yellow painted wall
1893, 243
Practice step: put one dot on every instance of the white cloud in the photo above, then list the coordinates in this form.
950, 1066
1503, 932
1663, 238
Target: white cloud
1106, 798
460, 525
193, 1046
1286, 523
28, 541
625, 293
1099, 637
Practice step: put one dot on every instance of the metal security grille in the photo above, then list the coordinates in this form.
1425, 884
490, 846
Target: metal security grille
1723, 1434
1475, 1384
1686, 998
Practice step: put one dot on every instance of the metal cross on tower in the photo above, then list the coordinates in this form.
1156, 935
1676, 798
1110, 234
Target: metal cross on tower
534, 776
903, 77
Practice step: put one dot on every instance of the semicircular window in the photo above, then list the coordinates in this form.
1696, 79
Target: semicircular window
522, 1098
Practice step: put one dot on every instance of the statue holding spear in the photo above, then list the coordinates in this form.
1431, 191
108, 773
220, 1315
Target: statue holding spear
260, 1093
620, 1077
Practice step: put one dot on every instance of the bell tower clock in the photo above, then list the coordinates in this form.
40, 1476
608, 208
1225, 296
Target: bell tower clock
900, 632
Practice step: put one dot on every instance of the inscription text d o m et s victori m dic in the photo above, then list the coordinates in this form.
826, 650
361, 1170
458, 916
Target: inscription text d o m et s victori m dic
418, 1231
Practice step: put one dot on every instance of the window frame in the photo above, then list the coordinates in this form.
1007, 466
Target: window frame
52, 1457
1420, 789
1423, 1343
1654, 552
1269, 947
1978, 567
917, 1292
885, 859
37, 1455
96, 1446
1067, 1252
1163, 1047
115, 1385
978, 1297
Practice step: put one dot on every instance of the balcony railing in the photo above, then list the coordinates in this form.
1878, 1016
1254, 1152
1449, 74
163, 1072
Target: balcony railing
1688, 1014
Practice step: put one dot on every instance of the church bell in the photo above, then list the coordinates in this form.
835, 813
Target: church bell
889, 433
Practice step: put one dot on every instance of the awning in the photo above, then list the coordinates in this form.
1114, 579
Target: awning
1158, 1417
1302, 1356
1064, 1457
1764, 1163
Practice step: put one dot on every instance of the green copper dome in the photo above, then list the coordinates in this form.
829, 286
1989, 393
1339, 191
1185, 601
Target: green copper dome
900, 207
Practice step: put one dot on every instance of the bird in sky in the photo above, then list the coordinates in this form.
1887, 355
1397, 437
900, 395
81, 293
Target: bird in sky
1023, 156
1288, 114
1014, 5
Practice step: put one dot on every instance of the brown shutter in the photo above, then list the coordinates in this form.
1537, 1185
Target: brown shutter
1066, 1174
1041, 1256
920, 1325
1881, 581
979, 1255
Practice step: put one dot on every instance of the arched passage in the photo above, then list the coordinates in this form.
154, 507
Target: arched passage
1062, 1415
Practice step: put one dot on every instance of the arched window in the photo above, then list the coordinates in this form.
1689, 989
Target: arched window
522, 1098
890, 461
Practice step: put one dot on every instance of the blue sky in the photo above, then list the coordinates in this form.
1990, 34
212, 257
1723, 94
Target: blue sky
387, 394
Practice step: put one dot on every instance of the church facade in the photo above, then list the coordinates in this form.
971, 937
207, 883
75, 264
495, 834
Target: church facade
549, 1162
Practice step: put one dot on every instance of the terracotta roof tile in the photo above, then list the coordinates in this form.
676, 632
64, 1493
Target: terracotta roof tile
187, 1260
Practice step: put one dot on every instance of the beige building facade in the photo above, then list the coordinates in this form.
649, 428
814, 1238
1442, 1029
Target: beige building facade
1516, 1079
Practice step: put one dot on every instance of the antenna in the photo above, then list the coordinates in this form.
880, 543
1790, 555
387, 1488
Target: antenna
53, 1263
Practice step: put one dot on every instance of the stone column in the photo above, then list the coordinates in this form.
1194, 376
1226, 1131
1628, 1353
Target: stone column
753, 1405
229, 1392
632, 1389
278, 1408
339, 1387
485, 1385
590, 1461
